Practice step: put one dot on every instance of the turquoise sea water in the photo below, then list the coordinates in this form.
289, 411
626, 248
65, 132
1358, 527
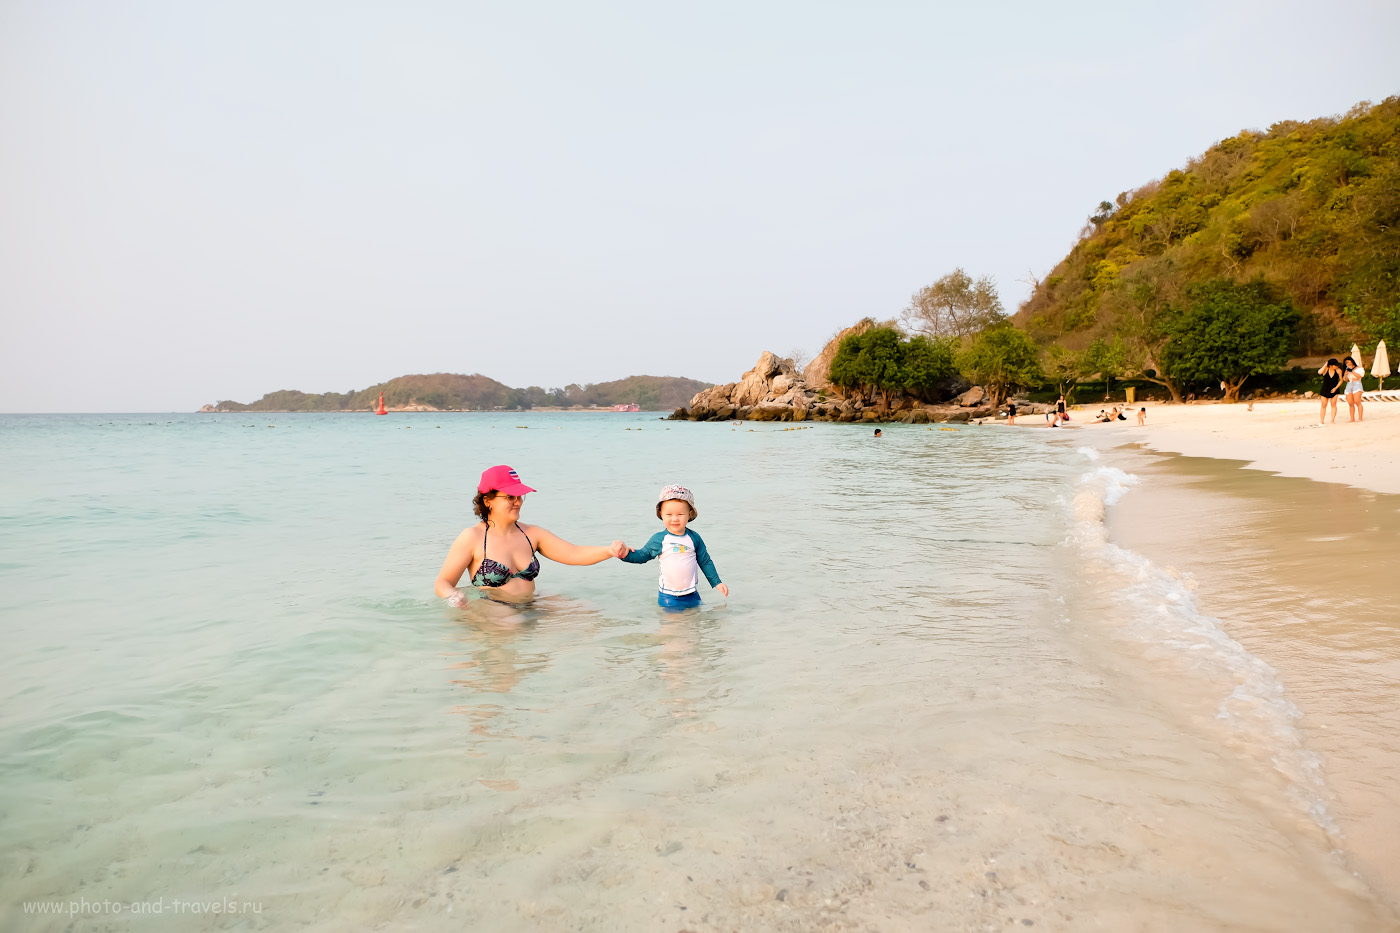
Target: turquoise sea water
225, 680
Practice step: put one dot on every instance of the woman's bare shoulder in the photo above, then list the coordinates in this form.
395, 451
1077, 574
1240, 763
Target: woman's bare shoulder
535, 532
472, 535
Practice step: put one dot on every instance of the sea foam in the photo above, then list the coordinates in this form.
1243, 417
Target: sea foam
1161, 612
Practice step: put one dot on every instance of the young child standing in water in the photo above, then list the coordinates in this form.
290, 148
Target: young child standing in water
682, 552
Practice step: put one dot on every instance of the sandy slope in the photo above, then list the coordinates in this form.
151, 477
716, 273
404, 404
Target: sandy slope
1278, 436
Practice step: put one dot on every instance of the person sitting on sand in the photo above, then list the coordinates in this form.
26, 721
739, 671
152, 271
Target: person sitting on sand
1102, 417
493, 562
1331, 373
1118, 414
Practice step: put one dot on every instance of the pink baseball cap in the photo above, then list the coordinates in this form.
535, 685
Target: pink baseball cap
502, 479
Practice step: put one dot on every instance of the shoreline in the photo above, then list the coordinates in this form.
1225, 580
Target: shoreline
1281, 437
1250, 545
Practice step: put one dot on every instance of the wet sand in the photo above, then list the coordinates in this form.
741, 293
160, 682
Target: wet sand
1306, 576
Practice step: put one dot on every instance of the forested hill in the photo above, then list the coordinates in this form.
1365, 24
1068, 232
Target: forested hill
1308, 211
450, 391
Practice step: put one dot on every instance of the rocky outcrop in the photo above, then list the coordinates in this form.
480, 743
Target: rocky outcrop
972, 398
773, 390
815, 375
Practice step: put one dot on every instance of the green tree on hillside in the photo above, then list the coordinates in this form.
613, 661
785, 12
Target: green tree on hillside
999, 358
869, 363
1108, 358
881, 361
1066, 368
957, 305
928, 363
1229, 332
1313, 207
1143, 309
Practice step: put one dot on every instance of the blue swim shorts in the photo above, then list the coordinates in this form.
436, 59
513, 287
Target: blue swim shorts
688, 601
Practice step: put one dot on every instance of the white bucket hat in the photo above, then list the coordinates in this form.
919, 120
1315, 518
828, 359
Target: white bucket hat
677, 492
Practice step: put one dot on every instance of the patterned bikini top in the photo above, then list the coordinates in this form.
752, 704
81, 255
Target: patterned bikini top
495, 573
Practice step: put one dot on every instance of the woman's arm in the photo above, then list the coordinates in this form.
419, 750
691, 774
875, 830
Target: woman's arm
557, 549
459, 558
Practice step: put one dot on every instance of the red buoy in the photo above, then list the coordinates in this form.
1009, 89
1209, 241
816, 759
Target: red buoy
381, 410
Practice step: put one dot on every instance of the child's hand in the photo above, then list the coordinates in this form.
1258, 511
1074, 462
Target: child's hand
619, 550
723, 590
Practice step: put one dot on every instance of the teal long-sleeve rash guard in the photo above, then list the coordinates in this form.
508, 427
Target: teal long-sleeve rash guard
681, 556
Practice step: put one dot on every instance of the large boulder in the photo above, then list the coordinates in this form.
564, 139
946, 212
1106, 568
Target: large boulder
709, 399
769, 365
973, 397
815, 375
770, 411
751, 389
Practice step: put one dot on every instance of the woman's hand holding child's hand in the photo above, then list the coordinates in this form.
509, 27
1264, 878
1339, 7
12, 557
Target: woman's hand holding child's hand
619, 550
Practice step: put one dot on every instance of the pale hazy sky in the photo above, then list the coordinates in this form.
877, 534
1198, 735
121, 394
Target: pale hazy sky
208, 200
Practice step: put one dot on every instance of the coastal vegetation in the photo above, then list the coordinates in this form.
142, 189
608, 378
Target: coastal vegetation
1305, 213
1270, 246
475, 392
883, 361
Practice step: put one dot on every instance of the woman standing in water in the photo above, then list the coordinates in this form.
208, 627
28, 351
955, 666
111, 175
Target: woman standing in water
500, 552
1331, 373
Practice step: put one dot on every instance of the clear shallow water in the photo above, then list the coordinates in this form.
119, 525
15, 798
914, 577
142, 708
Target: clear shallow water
224, 678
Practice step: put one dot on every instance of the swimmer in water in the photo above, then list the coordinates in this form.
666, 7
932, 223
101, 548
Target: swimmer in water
500, 551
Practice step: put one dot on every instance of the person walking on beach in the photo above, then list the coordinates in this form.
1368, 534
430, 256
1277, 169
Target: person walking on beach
499, 565
1331, 373
1353, 373
1010, 412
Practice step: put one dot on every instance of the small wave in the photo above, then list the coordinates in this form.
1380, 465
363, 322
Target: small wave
1163, 614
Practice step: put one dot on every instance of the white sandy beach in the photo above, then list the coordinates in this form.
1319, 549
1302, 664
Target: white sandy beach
1281, 436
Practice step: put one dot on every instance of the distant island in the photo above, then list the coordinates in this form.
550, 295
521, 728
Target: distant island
475, 392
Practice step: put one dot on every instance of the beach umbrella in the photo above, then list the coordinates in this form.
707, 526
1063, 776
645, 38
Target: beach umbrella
1380, 366
1356, 355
